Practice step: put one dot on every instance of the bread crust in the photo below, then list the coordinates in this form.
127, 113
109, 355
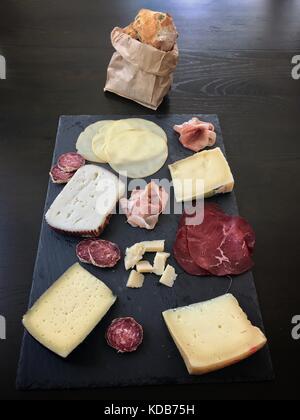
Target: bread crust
153, 28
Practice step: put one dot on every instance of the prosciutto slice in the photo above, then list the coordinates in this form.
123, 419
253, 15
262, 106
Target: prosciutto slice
196, 135
221, 245
145, 206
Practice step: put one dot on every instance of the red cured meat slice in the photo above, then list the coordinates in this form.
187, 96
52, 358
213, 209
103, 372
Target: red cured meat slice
125, 335
70, 162
82, 251
222, 244
104, 254
60, 177
183, 257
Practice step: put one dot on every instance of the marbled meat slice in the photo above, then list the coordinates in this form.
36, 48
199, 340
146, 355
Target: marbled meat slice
124, 335
222, 244
70, 162
104, 254
83, 252
60, 177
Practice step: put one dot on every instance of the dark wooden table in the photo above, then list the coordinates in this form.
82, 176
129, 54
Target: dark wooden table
235, 62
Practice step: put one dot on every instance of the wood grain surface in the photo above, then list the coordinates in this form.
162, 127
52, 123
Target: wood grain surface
235, 62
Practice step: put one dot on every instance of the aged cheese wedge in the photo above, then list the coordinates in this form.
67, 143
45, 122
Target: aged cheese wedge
133, 255
136, 153
144, 267
169, 276
69, 311
213, 335
84, 142
135, 124
154, 246
86, 202
159, 264
135, 280
202, 175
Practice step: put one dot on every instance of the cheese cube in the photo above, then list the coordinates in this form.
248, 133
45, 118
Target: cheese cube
135, 280
213, 335
133, 255
69, 311
154, 246
144, 267
160, 263
169, 276
203, 174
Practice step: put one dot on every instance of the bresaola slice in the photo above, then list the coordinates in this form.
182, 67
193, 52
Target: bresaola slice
100, 253
70, 162
124, 335
221, 245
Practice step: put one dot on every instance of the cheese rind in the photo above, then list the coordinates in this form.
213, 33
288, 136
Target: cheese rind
68, 311
154, 246
213, 335
202, 175
134, 254
144, 267
159, 264
135, 280
169, 276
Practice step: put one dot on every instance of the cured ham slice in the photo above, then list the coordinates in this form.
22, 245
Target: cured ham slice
221, 245
196, 135
145, 206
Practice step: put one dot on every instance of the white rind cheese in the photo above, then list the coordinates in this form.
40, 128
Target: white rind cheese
159, 264
133, 255
154, 246
86, 201
202, 175
135, 280
213, 335
69, 311
144, 267
169, 276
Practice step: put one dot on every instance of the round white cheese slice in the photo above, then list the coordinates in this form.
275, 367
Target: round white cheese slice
136, 153
84, 142
134, 124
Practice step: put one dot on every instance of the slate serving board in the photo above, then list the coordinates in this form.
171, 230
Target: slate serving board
94, 364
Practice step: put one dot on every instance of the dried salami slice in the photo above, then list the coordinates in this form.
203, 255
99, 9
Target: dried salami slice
82, 251
104, 254
60, 177
125, 335
70, 162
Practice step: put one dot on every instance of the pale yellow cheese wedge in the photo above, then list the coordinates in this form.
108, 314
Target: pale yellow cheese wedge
169, 276
135, 280
69, 311
144, 267
202, 175
213, 335
159, 263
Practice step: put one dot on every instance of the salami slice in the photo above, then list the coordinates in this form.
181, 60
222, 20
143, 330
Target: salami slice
82, 251
104, 254
70, 162
125, 335
60, 177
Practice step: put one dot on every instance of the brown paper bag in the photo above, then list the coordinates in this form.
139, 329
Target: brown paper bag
138, 71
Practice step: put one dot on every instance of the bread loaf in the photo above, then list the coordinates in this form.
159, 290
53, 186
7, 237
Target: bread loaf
153, 28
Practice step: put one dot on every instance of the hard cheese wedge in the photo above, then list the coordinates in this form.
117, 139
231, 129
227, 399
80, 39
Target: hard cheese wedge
69, 311
202, 175
213, 334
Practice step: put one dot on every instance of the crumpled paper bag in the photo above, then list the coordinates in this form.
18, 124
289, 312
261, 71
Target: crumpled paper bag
138, 71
